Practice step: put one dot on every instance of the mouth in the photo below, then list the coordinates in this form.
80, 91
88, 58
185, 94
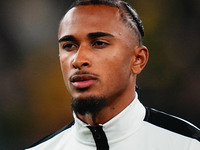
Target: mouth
82, 81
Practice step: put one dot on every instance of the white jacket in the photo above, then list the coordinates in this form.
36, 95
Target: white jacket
135, 128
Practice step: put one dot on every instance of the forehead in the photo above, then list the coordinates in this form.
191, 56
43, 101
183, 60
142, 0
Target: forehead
99, 10
103, 18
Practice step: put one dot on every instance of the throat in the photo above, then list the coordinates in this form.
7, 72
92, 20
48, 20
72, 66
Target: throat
88, 118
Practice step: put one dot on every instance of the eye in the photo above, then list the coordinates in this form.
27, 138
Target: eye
99, 44
69, 46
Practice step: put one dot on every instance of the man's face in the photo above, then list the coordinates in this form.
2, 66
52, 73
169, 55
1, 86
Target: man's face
96, 52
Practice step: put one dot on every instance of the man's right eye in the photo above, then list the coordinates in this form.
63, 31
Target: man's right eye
69, 46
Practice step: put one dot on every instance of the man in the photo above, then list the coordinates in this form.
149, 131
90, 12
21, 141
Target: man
101, 53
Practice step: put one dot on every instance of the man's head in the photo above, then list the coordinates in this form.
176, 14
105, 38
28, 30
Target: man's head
128, 14
100, 55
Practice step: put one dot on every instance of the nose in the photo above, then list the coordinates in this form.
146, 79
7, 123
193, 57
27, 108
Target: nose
81, 59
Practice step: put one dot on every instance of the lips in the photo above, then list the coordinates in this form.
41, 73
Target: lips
82, 81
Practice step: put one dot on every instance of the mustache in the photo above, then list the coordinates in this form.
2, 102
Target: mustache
77, 73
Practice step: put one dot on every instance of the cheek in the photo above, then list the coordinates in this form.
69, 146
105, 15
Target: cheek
121, 63
117, 70
65, 67
65, 61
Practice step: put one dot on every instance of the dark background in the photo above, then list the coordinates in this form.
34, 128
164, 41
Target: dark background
33, 98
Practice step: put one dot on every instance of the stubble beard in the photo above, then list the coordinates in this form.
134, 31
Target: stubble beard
91, 105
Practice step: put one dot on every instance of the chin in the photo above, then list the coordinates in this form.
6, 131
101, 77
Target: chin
83, 94
88, 104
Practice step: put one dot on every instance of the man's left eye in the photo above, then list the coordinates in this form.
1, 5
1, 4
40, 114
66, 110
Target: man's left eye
100, 44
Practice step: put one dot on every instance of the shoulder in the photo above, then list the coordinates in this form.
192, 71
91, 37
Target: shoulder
52, 135
172, 123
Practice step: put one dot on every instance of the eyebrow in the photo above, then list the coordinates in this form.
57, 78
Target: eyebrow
92, 35
67, 38
98, 34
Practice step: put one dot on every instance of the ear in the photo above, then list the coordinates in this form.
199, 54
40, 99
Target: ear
139, 59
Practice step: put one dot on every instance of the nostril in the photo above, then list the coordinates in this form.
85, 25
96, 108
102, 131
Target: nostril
85, 64
78, 64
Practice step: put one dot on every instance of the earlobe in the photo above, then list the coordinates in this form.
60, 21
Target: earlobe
140, 59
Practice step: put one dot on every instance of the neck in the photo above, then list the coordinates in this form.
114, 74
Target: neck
113, 108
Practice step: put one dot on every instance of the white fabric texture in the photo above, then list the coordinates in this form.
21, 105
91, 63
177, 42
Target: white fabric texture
127, 131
